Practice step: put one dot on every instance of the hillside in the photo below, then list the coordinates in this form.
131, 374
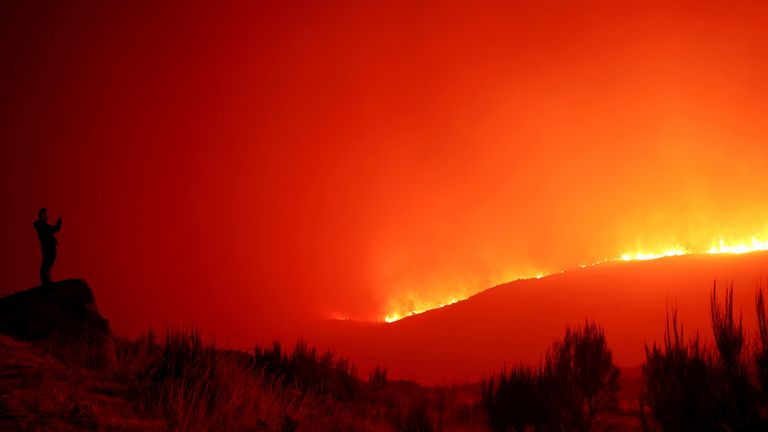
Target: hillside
61, 369
516, 321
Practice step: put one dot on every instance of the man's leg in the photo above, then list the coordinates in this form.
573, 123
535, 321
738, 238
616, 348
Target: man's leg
49, 258
44, 274
51, 262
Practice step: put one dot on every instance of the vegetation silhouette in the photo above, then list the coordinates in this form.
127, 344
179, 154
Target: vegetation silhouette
178, 382
305, 368
577, 381
377, 378
761, 350
689, 386
196, 386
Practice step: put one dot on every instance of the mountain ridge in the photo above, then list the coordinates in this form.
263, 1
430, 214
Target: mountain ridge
516, 321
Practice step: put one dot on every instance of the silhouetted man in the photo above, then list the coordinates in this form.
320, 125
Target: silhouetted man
45, 233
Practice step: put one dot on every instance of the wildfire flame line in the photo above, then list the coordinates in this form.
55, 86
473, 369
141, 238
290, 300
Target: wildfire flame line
720, 247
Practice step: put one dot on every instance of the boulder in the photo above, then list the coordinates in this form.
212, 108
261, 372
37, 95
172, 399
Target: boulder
63, 308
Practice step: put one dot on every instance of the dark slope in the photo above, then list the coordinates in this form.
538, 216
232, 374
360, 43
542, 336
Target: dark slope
517, 321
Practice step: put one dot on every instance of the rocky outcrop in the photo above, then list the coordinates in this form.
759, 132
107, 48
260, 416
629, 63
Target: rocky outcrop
62, 308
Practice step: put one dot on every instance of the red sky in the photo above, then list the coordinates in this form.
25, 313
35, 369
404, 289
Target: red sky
244, 168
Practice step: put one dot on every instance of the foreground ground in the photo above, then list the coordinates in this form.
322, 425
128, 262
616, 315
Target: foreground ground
39, 392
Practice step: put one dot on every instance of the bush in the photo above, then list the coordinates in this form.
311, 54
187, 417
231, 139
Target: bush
677, 382
415, 416
196, 387
377, 378
761, 354
577, 381
581, 367
517, 399
738, 397
689, 386
305, 368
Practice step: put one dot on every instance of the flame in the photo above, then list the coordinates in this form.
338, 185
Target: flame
721, 246
643, 256
394, 317
740, 248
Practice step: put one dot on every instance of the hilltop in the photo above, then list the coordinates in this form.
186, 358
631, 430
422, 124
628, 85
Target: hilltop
514, 322
62, 369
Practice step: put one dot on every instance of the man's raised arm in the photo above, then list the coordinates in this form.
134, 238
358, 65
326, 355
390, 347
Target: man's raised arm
57, 227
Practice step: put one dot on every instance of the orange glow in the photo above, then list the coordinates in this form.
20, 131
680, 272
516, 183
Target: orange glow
720, 247
644, 256
255, 168
397, 316
738, 248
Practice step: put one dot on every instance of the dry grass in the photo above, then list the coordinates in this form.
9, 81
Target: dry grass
198, 387
39, 392
180, 383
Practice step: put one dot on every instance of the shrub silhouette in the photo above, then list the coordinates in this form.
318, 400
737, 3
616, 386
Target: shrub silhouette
689, 386
196, 387
309, 370
677, 379
577, 381
738, 403
761, 354
416, 416
581, 366
517, 398
182, 352
377, 378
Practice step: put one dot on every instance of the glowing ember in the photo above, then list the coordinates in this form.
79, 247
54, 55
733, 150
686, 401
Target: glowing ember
720, 247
